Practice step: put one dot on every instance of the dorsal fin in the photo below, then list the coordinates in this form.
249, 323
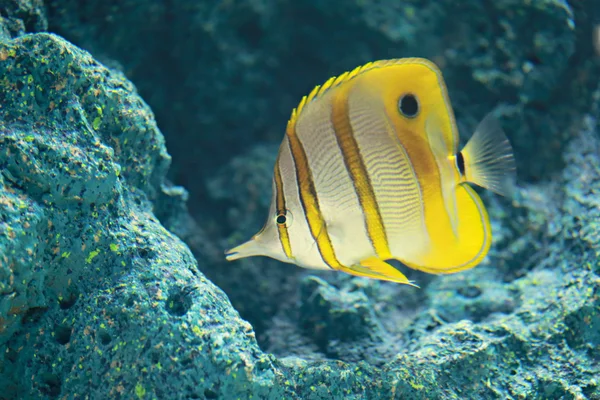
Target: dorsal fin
334, 81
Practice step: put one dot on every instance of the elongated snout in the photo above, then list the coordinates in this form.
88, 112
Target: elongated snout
248, 249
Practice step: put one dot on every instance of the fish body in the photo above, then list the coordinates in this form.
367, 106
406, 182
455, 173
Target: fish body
369, 170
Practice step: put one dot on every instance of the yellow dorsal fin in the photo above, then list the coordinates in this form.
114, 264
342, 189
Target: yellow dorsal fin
332, 82
376, 268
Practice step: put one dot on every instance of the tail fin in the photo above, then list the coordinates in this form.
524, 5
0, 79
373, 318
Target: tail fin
488, 158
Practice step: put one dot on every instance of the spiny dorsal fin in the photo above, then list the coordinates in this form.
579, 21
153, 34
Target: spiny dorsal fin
334, 81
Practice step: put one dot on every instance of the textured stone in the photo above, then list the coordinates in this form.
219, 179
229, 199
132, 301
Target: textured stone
97, 299
100, 299
20, 16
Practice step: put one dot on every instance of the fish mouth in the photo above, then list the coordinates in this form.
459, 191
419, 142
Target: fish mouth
248, 249
231, 255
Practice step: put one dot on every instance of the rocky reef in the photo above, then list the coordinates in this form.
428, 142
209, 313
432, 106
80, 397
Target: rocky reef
111, 288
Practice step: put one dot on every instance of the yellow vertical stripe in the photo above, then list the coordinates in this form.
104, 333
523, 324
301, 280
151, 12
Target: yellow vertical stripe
358, 172
308, 197
284, 237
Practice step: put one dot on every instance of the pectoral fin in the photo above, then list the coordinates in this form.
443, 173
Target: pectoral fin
376, 268
488, 158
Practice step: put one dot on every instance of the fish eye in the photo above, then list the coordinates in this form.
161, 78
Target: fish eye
408, 105
284, 218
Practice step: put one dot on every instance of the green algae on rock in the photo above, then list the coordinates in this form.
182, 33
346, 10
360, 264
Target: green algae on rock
97, 298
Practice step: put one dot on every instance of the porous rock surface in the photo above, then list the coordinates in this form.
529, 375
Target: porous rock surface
100, 299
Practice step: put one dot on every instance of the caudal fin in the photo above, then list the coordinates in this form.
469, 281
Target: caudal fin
488, 158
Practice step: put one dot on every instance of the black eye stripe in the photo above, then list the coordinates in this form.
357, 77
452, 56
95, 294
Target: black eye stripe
408, 105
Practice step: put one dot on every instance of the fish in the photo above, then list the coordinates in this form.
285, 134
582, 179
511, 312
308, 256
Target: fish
369, 171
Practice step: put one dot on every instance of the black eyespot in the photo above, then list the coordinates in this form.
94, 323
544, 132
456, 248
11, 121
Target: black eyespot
284, 218
281, 219
408, 105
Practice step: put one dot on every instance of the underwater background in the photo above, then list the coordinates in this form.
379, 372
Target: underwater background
137, 143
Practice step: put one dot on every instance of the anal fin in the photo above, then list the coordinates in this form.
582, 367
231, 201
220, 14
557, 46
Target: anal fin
376, 268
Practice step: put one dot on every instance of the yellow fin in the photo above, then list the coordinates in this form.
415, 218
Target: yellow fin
376, 268
488, 158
